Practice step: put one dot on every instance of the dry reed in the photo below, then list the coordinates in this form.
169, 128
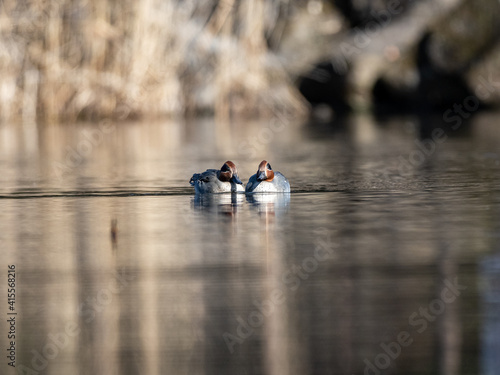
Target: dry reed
70, 59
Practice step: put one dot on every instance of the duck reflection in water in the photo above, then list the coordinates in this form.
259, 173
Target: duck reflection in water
218, 203
269, 202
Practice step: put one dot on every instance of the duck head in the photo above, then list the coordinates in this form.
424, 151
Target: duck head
228, 173
265, 172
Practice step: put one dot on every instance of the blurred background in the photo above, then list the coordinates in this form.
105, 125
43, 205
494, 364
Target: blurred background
69, 60
384, 259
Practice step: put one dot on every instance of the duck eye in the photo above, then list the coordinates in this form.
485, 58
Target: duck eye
269, 166
225, 168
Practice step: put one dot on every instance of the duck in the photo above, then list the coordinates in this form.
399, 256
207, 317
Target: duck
267, 181
224, 180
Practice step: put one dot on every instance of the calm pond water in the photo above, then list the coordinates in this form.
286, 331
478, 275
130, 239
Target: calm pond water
384, 259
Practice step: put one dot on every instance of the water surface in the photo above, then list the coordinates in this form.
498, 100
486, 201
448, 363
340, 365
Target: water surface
383, 259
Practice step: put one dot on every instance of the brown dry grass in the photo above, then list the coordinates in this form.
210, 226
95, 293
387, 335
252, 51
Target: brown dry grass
70, 59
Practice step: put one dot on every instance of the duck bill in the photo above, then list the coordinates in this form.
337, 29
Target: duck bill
262, 176
236, 180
